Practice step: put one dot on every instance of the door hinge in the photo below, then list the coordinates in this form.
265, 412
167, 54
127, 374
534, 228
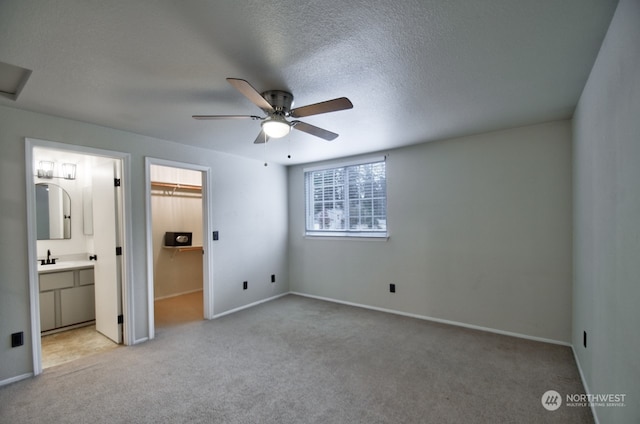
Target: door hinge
120, 319
116, 182
118, 251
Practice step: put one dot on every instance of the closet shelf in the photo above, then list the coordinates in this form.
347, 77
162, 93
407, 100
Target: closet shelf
178, 249
175, 186
183, 248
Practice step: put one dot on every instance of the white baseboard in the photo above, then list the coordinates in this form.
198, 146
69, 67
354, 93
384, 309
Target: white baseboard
584, 383
250, 305
438, 320
15, 379
177, 294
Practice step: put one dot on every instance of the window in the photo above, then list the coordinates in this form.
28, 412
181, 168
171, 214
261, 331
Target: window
349, 200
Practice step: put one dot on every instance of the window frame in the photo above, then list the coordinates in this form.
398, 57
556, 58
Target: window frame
346, 233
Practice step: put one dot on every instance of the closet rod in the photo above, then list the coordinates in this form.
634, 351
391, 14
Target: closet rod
175, 186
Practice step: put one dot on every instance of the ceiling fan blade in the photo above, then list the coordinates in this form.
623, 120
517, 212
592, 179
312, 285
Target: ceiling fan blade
334, 105
261, 138
313, 130
250, 93
204, 117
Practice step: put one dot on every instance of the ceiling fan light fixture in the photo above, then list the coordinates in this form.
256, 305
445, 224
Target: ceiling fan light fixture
276, 104
276, 127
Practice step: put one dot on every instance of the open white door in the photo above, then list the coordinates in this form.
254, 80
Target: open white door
108, 294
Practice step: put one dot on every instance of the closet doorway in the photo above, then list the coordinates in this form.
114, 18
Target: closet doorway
177, 223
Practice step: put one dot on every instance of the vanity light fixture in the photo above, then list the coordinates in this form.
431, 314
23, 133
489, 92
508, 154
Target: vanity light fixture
45, 169
69, 171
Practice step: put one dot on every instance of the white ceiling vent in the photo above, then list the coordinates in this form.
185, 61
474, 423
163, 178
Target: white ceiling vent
12, 80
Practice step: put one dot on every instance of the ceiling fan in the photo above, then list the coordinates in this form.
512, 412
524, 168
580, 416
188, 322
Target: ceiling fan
277, 106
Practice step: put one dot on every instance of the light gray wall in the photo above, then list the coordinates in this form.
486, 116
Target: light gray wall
607, 218
480, 233
249, 209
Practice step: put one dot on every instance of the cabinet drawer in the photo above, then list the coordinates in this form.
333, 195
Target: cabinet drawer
56, 280
86, 276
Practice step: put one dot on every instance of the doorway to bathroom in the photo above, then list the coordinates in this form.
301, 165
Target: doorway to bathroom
76, 230
177, 222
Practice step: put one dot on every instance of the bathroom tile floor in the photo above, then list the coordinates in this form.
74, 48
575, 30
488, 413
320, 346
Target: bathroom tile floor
67, 346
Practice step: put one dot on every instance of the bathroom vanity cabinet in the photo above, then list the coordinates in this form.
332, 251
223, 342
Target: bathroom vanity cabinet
67, 298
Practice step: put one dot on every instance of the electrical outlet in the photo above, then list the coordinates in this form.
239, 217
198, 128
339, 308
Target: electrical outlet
17, 339
392, 288
273, 278
245, 285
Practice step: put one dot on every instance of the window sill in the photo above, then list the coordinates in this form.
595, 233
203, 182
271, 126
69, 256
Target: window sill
344, 236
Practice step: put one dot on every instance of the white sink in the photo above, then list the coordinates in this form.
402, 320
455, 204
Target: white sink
64, 265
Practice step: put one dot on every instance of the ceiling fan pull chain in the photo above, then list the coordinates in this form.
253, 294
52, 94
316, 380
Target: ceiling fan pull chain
265, 149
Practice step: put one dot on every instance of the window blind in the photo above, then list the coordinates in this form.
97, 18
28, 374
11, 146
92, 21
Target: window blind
347, 200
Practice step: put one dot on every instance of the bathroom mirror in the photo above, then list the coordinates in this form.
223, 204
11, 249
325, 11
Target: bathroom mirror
53, 212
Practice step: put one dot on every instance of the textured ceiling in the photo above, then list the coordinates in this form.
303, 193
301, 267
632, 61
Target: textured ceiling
415, 70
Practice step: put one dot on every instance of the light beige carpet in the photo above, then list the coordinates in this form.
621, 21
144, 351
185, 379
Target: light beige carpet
298, 360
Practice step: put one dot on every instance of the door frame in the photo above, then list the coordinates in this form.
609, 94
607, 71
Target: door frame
207, 262
127, 259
